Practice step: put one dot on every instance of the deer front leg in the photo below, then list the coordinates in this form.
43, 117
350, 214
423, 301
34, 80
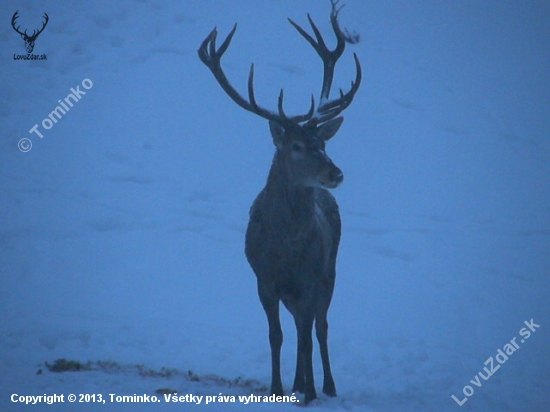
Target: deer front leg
321, 327
270, 304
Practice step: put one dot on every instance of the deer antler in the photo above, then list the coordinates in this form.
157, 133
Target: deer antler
327, 109
13, 19
212, 59
330, 109
34, 33
46, 18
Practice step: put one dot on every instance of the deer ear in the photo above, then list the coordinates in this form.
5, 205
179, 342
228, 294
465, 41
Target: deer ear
277, 133
329, 129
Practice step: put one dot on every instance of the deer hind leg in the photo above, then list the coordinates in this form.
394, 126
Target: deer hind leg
300, 377
270, 303
304, 364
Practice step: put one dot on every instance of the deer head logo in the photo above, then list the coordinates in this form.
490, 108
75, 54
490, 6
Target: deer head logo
29, 40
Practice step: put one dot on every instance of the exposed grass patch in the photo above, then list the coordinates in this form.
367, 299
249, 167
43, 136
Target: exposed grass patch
63, 365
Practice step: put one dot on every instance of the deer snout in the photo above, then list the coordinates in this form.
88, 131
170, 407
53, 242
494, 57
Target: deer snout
337, 175
333, 178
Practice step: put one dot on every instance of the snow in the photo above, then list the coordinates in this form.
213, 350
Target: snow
122, 229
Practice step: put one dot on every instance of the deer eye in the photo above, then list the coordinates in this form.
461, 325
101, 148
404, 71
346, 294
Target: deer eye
297, 147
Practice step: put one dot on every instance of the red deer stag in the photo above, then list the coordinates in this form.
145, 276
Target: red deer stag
294, 229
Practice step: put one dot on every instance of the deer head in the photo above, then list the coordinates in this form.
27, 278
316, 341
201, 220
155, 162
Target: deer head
29, 40
300, 138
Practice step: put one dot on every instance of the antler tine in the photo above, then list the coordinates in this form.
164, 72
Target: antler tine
212, 59
266, 114
280, 105
226, 42
308, 115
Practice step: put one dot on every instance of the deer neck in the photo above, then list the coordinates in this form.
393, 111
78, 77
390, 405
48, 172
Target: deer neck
292, 205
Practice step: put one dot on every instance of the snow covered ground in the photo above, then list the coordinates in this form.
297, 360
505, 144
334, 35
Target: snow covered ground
122, 230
